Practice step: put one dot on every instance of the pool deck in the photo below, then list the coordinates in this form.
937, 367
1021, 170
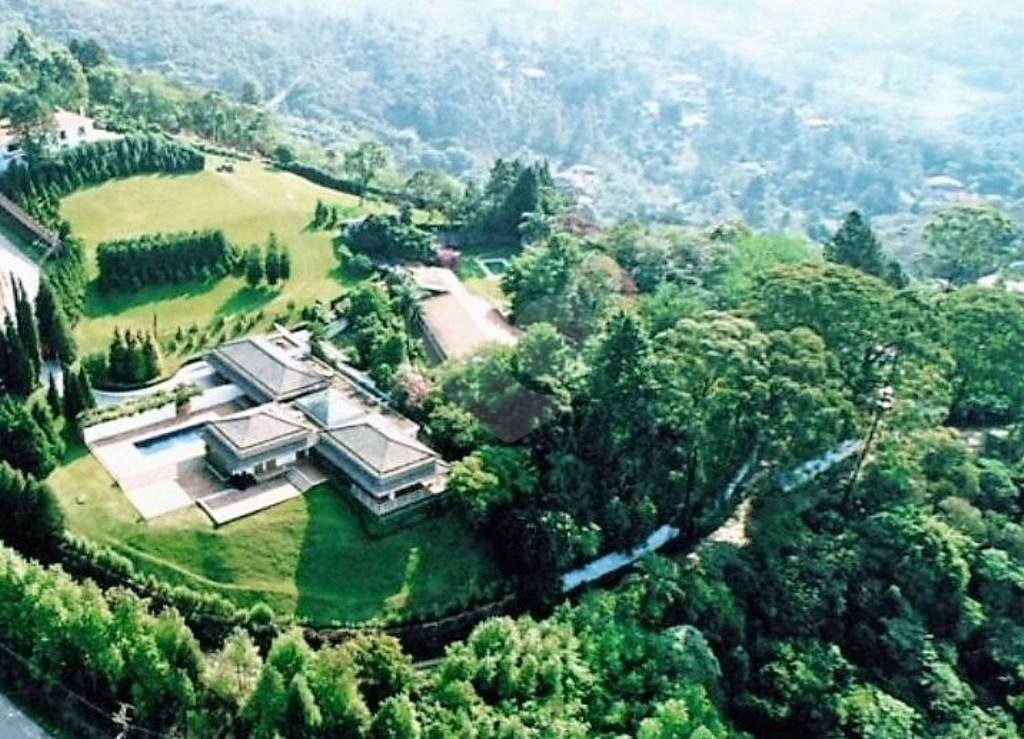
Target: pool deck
165, 481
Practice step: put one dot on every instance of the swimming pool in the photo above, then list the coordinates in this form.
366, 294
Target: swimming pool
171, 440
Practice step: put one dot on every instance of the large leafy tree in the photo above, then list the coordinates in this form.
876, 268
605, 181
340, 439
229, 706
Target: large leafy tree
985, 335
364, 162
879, 336
560, 283
966, 242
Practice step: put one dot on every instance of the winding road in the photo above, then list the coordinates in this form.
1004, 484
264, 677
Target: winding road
14, 262
15, 724
198, 373
615, 561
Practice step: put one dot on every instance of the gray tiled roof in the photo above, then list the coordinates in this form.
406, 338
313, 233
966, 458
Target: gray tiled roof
266, 367
255, 428
378, 449
330, 408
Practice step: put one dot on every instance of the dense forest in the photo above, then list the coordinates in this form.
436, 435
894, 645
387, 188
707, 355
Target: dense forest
668, 125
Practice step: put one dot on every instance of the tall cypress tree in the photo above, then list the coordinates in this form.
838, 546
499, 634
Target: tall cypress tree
27, 330
150, 358
272, 266
73, 404
85, 389
44, 418
53, 396
54, 333
286, 263
19, 378
117, 358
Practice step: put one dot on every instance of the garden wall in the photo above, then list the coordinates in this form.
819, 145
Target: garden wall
129, 423
215, 396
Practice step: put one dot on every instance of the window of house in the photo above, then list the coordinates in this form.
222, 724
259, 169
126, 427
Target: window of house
63, 134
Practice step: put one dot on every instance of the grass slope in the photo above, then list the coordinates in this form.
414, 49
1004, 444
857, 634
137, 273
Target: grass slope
311, 556
247, 204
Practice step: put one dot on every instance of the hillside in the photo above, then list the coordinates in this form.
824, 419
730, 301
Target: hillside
696, 122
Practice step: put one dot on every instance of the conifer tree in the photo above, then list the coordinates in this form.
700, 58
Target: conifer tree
85, 389
150, 354
54, 334
23, 443
855, 245
32, 522
253, 266
27, 329
272, 267
73, 404
18, 376
44, 419
117, 357
286, 263
53, 396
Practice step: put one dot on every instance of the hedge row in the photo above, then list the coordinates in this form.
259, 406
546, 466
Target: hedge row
130, 264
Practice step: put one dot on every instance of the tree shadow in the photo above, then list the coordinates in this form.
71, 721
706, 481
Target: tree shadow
100, 303
353, 567
247, 299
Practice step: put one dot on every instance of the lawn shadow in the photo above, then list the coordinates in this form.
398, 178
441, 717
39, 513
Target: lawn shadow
353, 566
247, 299
346, 275
100, 303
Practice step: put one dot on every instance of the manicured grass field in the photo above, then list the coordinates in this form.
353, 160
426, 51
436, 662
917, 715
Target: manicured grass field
311, 556
247, 204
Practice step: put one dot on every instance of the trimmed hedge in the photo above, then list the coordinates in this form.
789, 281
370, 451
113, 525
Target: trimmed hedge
320, 176
130, 264
178, 395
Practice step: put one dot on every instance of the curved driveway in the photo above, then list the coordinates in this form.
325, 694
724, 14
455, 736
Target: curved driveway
199, 373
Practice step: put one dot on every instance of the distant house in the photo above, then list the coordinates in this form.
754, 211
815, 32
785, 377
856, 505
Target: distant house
455, 323
944, 183
68, 130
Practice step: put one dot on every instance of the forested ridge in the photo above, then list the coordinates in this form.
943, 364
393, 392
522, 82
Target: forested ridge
695, 134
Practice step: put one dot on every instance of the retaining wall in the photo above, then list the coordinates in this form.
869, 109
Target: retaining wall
123, 425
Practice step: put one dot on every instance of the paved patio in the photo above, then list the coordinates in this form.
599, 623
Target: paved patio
164, 481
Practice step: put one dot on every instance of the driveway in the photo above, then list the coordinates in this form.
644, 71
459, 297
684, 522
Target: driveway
14, 724
199, 373
14, 262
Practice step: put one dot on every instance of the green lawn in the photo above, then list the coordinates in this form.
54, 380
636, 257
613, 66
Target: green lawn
311, 556
247, 204
475, 278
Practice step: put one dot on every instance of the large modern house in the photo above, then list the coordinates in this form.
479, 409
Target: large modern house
266, 371
303, 409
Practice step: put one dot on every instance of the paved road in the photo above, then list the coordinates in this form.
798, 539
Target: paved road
615, 561
16, 725
12, 261
199, 373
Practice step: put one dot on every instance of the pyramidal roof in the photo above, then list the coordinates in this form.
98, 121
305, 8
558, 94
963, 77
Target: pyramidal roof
379, 448
267, 367
257, 427
330, 408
